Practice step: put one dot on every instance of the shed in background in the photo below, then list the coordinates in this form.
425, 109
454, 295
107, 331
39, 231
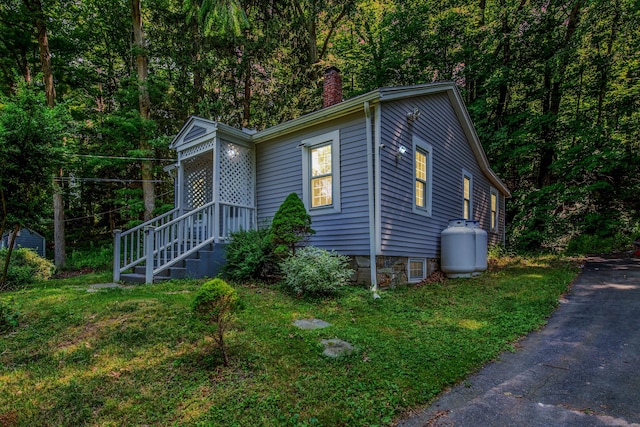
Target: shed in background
26, 238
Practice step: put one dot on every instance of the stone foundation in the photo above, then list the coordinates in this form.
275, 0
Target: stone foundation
391, 271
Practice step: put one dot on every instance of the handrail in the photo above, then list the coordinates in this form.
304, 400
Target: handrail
128, 247
167, 240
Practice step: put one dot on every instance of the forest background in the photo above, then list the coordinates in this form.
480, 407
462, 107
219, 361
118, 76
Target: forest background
92, 91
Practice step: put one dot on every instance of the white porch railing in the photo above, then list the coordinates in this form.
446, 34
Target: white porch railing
167, 240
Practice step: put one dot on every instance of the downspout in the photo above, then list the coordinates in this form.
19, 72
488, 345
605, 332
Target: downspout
371, 197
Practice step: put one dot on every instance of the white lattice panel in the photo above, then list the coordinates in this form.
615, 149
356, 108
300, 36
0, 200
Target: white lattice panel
198, 177
236, 174
195, 150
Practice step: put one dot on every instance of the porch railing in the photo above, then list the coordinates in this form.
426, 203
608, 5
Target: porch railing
162, 244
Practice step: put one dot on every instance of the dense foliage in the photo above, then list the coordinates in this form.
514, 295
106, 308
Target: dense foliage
315, 271
552, 87
250, 256
25, 268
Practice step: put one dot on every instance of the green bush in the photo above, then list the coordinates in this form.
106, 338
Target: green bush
25, 267
215, 304
315, 271
594, 244
8, 316
249, 256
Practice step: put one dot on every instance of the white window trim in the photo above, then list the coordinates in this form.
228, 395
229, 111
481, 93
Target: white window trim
493, 191
424, 146
307, 144
423, 261
467, 174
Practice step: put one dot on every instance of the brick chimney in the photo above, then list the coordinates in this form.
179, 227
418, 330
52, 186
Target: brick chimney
332, 87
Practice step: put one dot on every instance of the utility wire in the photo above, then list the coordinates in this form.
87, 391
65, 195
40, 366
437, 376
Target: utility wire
73, 178
120, 157
107, 212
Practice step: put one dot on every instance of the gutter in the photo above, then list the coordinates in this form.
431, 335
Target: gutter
371, 154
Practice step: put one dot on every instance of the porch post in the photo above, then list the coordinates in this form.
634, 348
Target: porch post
148, 249
116, 254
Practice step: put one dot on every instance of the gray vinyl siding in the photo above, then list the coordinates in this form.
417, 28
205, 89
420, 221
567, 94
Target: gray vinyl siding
194, 133
279, 172
404, 233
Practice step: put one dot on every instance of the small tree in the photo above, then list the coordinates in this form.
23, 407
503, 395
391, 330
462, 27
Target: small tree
31, 137
291, 224
215, 304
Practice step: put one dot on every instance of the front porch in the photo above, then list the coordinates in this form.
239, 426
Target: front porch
214, 197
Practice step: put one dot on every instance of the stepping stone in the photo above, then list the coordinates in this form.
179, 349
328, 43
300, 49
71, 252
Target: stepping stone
311, 324
96, 287
336, 348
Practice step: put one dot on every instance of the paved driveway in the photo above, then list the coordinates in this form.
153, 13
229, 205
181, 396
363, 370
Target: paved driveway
582, 369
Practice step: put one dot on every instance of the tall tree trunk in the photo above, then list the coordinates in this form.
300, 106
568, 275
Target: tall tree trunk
40, 23
553, 97
12, 242
23, 64
606, 65
144, 103
60, 252
3, 202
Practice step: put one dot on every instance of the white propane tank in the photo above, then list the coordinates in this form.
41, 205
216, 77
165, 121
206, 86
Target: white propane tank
458, 249
481, 245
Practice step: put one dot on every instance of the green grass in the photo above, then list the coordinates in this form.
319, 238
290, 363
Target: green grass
136, 356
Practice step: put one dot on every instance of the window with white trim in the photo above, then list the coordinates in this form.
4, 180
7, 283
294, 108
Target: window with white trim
495, 209
417, 270
422, 158
467, 195
321, 173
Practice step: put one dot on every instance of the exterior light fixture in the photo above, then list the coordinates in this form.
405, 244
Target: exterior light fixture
401, 150
414, 115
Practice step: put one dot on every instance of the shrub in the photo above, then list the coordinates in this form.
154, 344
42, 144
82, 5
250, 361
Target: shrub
249, 256
290, 225
215, 304
8, 316
315, 271
25, 267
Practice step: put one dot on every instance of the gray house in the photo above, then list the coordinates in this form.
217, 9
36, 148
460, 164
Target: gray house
381, 175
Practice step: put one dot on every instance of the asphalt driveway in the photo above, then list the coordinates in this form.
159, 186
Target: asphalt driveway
582, 369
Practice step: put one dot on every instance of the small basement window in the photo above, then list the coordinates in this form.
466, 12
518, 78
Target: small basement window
417, 270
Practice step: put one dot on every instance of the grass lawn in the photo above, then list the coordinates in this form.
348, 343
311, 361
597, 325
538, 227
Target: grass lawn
136, 357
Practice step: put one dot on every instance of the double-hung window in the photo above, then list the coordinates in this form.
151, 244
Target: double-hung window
422, 158
321, 172
494, 209
467, 195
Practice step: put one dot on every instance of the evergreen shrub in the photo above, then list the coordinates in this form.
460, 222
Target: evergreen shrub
215, 304
290, 226
315, 271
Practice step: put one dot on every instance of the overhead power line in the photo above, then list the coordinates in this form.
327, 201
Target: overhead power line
73, 178
97, 156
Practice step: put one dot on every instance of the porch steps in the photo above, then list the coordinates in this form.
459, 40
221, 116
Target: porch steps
207, 262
